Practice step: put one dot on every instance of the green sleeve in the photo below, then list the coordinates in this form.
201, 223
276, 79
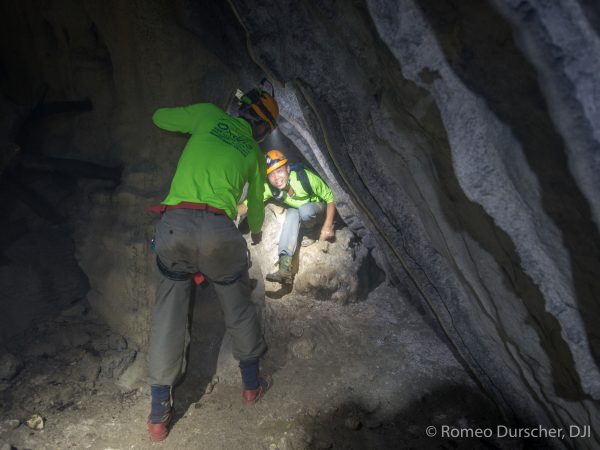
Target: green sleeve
183, 118
256, 186
267, 195
320, 188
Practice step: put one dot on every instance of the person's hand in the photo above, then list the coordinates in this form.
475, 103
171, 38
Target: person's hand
242, 209
327, 233
256, 237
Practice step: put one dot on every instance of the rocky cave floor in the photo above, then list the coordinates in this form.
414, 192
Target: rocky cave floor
368, 375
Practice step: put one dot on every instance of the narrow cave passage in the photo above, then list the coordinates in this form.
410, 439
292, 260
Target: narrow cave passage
323, 344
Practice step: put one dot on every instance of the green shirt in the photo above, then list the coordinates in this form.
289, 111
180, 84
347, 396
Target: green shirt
217, 161
322, 192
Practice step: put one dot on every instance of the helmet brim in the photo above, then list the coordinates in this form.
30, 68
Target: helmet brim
276, 166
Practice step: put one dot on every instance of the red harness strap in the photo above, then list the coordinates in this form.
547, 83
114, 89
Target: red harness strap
185, 205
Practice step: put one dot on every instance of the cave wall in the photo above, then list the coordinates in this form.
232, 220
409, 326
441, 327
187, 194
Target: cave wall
468, 145
128, 59
460, 137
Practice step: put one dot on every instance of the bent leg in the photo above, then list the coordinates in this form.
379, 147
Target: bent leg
288, 239
225, 263
311, 214
241, 318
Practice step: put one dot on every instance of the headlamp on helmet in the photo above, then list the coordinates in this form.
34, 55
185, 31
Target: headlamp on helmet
275, 159
260, 104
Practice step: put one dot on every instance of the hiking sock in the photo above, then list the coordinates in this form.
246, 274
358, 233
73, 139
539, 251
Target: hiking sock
249, 369
161, 403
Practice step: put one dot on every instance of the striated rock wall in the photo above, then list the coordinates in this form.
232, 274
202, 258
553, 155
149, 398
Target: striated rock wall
463, 132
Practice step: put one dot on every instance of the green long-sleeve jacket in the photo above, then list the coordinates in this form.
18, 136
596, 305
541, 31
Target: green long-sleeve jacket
217, 161
321, 192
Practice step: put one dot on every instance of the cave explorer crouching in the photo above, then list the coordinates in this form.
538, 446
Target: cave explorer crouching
308, 200
197, 234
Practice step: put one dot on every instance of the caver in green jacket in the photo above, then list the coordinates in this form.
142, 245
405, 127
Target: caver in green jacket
321, 192
218, 159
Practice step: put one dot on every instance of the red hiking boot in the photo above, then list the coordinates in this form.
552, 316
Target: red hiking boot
159, 431
251, 396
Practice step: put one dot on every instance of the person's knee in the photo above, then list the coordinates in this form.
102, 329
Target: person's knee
308, 212
311, 214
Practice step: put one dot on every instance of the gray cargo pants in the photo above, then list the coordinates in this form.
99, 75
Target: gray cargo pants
192, 241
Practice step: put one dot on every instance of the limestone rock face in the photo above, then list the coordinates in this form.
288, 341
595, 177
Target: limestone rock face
463, 134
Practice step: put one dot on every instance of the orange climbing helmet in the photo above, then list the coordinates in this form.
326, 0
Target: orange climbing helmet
275, 159
261, 104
